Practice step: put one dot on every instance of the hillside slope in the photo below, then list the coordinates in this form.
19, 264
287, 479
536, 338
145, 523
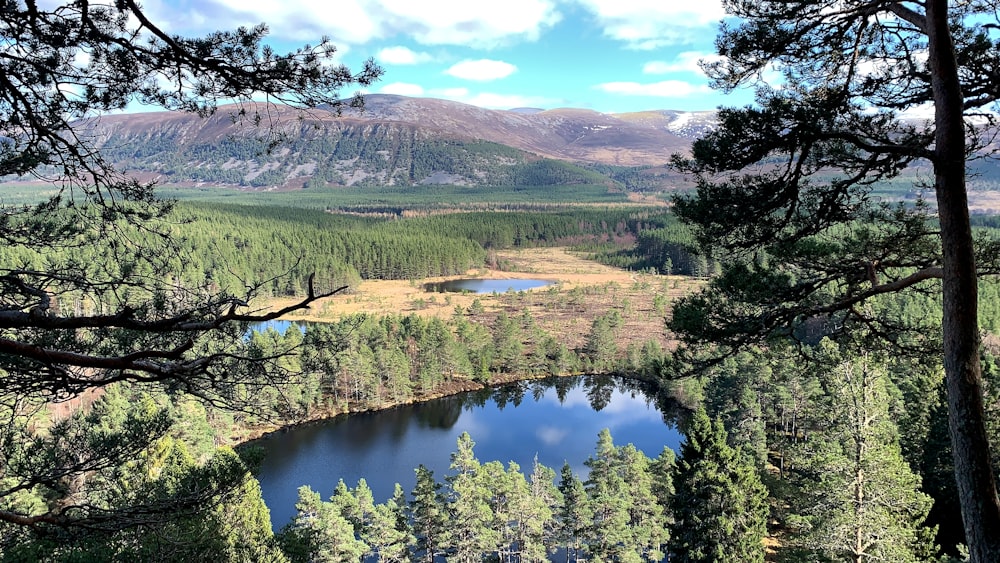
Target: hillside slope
394, 141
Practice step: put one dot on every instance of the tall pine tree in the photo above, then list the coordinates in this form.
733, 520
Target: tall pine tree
862, 501
427, 511
720, 505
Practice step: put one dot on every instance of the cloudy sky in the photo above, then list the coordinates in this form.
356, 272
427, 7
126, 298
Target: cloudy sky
606, 55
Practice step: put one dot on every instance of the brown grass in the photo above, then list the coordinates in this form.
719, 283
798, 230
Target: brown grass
582, 291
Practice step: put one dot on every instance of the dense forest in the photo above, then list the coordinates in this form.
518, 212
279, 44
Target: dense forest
835, 353
229, 246
800, 431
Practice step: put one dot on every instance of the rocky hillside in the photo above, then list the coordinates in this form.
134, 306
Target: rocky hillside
396, 141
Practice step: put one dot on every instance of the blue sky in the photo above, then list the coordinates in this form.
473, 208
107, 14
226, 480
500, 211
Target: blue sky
606, 55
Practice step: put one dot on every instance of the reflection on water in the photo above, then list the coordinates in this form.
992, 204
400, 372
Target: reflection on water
557, 419
485, 286
279, 325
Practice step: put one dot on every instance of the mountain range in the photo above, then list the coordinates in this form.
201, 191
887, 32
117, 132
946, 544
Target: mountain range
396, 140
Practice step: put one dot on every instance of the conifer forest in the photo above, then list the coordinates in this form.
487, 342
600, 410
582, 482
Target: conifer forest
209, 240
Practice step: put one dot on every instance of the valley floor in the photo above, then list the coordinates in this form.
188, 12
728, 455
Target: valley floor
583, 290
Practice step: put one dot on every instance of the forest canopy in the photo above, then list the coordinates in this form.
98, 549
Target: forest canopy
70, 325
784, 189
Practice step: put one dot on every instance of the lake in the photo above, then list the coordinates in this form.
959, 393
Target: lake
485, 285
556, 419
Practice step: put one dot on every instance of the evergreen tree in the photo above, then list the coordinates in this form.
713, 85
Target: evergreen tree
792, 175
733, 395
427, 511
63, 64
575, 516
385, 528
662, 469
720, 508
547, 500
344, 503
862, 501
507, 344
611, 537
319, 533
601, 346
647, 519
469, 511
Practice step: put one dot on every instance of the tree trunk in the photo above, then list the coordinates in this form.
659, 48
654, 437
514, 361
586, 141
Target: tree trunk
977, 488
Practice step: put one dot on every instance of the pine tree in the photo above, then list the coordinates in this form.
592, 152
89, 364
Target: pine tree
427, 511
63, 64
319, 533
791, 177
601, 346
647, 519
663, 468
385, 528
545, 499
575, 515
611, 538
469, 510
720, 505
507, 344
863, 502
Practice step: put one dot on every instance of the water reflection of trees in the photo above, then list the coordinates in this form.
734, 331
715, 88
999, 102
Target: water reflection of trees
599, 390
368, 428
440, 413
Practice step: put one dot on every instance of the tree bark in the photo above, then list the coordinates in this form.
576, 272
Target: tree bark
976, 483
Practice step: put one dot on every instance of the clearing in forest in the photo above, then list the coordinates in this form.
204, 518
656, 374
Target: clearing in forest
582, 290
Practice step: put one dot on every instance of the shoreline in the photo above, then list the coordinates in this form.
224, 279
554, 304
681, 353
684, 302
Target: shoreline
466, 386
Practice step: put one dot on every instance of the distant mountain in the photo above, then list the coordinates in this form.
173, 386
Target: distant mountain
578, 135
395, 140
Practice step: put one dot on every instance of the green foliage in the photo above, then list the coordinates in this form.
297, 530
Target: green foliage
576, 515
628, 521
861, 501
217, 512
720, 507
320, 533
601, 346
427, 511
88, 288
789, 181
484, 510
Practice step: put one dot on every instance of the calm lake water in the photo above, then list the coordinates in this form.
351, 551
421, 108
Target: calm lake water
486, 286
558, 420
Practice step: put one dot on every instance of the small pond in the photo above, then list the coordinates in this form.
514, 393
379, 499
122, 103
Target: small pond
485, 285
556, 419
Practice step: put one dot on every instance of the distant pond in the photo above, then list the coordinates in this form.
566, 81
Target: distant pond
556, 419
473, 285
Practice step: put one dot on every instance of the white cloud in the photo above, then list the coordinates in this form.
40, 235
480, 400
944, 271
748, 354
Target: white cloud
434, 22
664, 89
480, 24
551, 436
402, 56
651, 24
481, 70
683, 62
402, 89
